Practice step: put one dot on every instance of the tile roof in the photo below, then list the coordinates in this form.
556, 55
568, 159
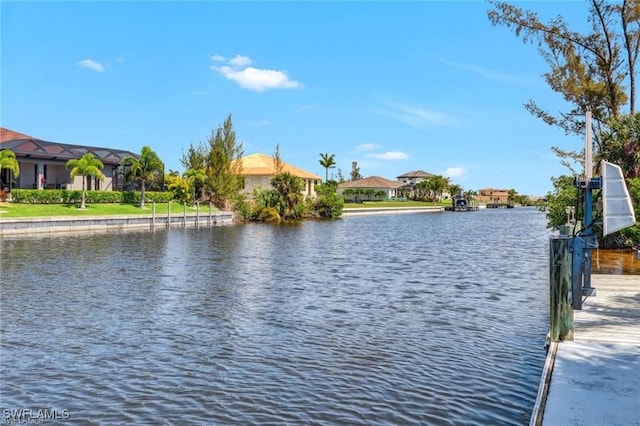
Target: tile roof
372, 182
416, 174
8, 135
263, 165
25, 146
493, 189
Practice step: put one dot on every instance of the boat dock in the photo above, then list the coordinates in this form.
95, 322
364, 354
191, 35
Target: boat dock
595, 379
500, 205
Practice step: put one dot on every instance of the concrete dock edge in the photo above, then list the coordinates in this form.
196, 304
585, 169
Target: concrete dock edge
543, 388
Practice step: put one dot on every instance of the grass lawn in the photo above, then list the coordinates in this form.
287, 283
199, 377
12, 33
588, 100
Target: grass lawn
14, 210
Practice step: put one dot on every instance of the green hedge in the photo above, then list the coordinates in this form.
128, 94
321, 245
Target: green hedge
67, 196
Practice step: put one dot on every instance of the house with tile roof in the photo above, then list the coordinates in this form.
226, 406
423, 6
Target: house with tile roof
414, 177
43, 163
410, 179
374, 183
258, 169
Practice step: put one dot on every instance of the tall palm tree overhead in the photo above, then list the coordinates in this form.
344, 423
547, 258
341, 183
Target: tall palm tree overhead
328, 162
87, 165
144, 168
9, 161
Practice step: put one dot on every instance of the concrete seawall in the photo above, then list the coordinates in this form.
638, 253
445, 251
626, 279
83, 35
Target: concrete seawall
50, 225
60, 224
390, 210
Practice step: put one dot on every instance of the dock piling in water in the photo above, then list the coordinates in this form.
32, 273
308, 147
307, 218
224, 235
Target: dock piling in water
561, 310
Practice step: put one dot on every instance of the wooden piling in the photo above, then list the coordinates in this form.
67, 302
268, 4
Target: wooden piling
561, 311
184, 215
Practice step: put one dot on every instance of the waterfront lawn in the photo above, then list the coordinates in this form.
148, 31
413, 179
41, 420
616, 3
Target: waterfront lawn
16, 210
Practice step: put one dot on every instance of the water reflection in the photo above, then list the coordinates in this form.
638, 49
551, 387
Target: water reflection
409, 319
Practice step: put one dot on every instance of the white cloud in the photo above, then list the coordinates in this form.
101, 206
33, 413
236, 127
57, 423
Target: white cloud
455, 171
92, 65
389, 155
259, 80
415, 116
367, 147
485, 72
240, 61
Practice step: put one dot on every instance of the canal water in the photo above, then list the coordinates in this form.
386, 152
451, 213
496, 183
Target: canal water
431, 319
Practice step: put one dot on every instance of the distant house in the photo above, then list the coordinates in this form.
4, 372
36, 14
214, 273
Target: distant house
371, 183
492, 196
258, 169
43, 163
413, 177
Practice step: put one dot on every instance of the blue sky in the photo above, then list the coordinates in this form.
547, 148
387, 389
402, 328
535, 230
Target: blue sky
395, 86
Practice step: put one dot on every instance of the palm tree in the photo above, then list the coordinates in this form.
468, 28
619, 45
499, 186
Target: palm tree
455, 189
87, 165
288, 189
437, 185
420, 190
9, 161
328, 162
178, 185
195, 177
144, 168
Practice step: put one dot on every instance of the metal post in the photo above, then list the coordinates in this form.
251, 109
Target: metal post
585, 240
588, 148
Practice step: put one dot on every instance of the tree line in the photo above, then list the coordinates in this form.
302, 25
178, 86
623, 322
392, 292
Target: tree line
592, 70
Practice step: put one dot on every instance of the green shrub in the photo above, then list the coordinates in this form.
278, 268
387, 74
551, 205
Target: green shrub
268, 214
242, 207
29, 196
158, 197
68, 196
97, 197
328, 205
71, 196
133, 197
